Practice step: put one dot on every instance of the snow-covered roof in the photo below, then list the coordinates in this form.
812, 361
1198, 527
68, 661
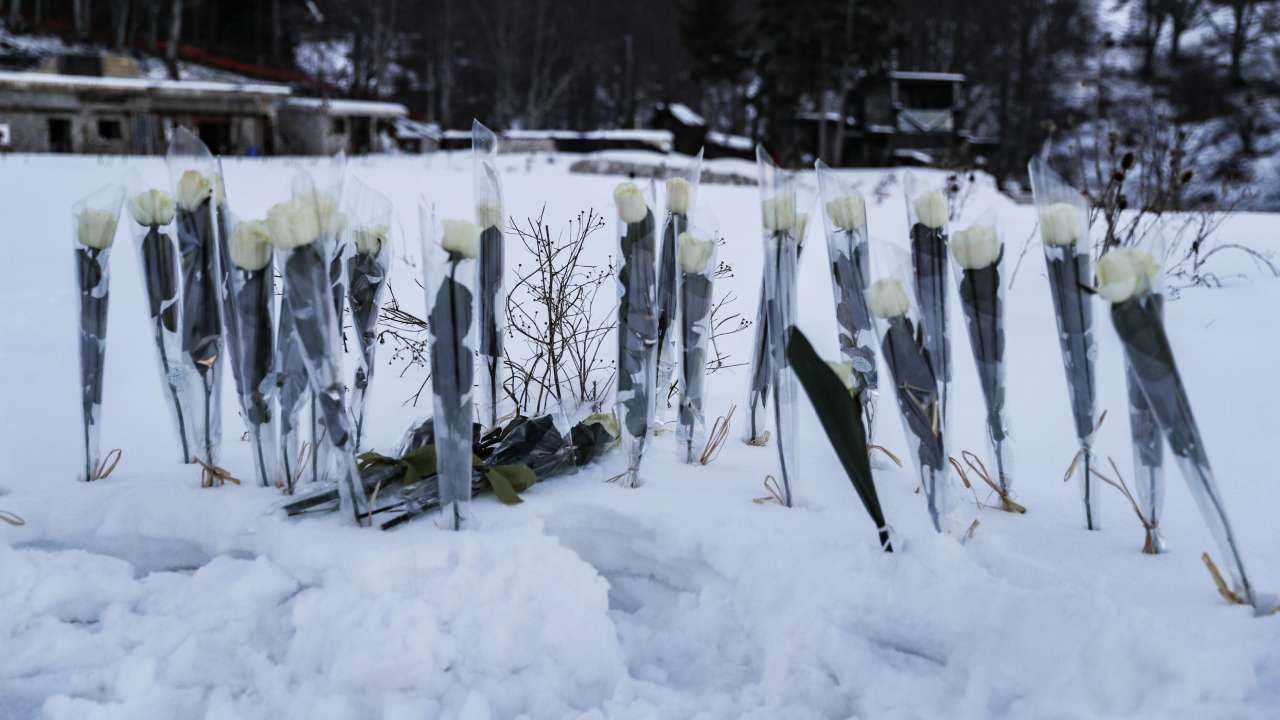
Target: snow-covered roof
172, 87
917, 75
414, 130
737, 142
657, 136
686, 115
371, 108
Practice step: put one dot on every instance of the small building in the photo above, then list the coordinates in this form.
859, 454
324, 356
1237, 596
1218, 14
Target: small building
45, 112
320, 126
415, 138
688, 129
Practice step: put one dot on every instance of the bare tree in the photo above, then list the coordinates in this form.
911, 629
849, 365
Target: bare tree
1183, 15
175, 34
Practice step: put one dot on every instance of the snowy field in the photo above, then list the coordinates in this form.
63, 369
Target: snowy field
145, 596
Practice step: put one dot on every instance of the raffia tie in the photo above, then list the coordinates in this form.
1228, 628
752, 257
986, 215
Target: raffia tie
889, 454
214, 476
107, 464
979, 468
716, 439
775, 492
12, 518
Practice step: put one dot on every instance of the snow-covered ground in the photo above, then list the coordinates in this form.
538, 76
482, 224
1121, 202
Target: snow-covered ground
145, 596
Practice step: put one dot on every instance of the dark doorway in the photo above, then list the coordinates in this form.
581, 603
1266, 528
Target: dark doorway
60, 135
358, 141
216, 134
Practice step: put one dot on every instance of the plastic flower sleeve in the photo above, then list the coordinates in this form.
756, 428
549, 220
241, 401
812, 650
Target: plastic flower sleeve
849, 255
905, 351
192, 175
1144, 427
695, 283
291, 391
150, 215
223, 221
93, 223
491, 269
371, 252
251, 299
449, 251
637, 322
1064, 231
1125, 278
681, 198
978, 254
928, 216
304, 232
782, 228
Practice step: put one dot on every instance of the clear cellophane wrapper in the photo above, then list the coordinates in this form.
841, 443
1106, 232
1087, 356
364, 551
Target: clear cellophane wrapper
849, 258
196, 230
93, 229
370, 252
308, 290
637, 335
931, 280
675, 222
491, 274
449, 280
695, 285
1064, 230
157, 251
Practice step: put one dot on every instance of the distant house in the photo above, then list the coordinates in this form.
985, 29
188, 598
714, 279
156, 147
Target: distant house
898, 118
688, 129
317, 126
43, 112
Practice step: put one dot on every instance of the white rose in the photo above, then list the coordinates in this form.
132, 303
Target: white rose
250, 247
778, 213
1060, 224
193, 189
324, 208
931, 209
886, 298
1124, 273
152, 207
460, 238
630, 201
848, 212
678, 195
843, 370
96, 228
369, 239
976, 247
489, 216
695, 252
292, 226
802, 224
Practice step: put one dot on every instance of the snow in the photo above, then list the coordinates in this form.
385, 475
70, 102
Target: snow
338, 106
144, 595
174, 87
686, 115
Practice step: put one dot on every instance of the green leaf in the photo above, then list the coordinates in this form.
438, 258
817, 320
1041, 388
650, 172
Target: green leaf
842, 420
508, 481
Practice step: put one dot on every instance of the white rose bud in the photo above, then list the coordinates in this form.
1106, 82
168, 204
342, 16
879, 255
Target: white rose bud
489, 215
369, 239
931, 209
802, 224
250, 245
1060, 224
778, 213
695, 253
96, 228
843, 370
678, 195
460, 238
152, 207
292, 225
630, 201
324, 209
1124, 273
193, 189
848, 212
976, 247
886, 298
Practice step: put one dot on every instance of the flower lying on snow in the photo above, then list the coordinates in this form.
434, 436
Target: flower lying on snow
778, 213
848, 212
292, 225
460, 238
695, 252
250, 245
96, 228
1124, 273
976, 247
151, 207
886, 298
630, 201
678, 195
931, 209
193, 189
1060, 224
